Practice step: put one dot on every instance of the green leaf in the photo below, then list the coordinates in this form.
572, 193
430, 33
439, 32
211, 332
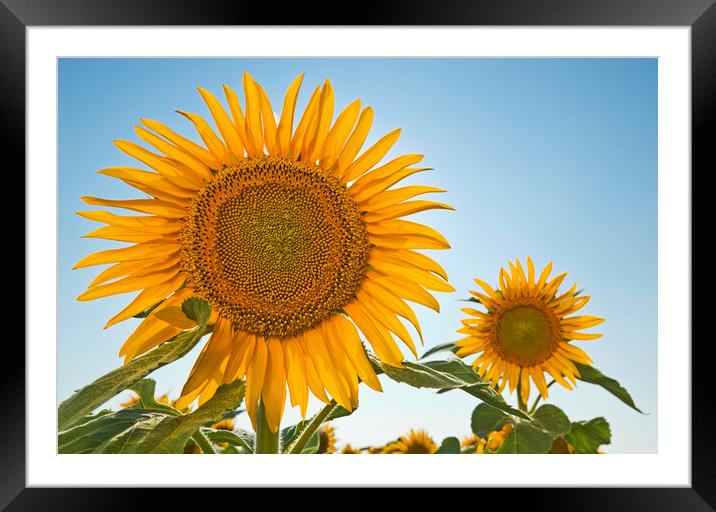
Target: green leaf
588, 436
292, 433
445, 375
457, 368
552, 420
172, 433
145, 390
486, 419
417, 375
91, 436
196, 309
525, 438
245, 440
593, 376
87, 399
299, 437
450, 445
440, 348
340, 412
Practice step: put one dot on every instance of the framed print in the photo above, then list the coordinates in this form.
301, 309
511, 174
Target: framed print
446, 231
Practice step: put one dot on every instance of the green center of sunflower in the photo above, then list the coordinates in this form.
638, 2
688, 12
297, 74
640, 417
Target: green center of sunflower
525, 335
275, 245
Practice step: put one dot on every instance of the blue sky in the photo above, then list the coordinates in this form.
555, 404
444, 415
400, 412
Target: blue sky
553, 158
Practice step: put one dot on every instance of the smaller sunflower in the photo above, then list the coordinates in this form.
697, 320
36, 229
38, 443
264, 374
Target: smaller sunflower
526, 331
416, 441
326, 439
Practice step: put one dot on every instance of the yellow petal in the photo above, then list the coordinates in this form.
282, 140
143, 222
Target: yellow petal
338, 134
194, 149
212, 141
296, 374
354, 143
269, 122
223, 123
131, 253
344, 330
274, 389
413, 258
255, 378
174, 152
381, 340
407, 290
302, 129
150, 206
285, 124
372, 156
254, 130
314, 147
236, 114
391, 197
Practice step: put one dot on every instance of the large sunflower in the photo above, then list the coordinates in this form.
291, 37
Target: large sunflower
526, 331
293, 237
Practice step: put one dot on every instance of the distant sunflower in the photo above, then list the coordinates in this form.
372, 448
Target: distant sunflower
293, 236
473, 443
134, 400
416, 441
326, 439
525, 330
225, 424
348, 449
497, 437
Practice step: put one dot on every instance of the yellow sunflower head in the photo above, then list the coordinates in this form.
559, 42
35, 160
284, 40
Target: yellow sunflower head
326, 439
416, 441
526, 330
291, 233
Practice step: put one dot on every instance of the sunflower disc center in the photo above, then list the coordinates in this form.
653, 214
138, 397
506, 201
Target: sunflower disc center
275, 245
526, 335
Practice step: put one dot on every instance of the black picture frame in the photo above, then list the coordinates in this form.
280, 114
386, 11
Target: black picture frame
17, 15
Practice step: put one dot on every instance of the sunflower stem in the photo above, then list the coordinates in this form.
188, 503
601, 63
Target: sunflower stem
266, 440
539, 397
205, 445
312, 426
520, 404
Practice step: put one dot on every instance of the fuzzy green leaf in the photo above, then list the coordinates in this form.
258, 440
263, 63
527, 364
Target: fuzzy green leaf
87, 399
444, 376
450, 445
593, 376
171, 434
588, 436
196, 309
525, 438
440, 348
552, 420
91, 436
245, 440
486, 418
